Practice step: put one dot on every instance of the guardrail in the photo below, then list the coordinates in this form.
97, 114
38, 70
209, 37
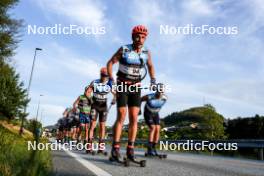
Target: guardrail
241, 143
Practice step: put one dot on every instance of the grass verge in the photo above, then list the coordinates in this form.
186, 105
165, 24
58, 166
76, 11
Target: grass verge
16, 159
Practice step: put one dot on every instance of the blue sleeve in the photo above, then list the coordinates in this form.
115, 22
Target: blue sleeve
110, 83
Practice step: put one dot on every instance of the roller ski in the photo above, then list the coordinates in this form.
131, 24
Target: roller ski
89, 149
101, 149
155, 155
90, 152
115, 157
128, 160
162, 156
152, 153
131, 158
102, 152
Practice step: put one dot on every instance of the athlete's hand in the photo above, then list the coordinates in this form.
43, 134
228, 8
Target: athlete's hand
111, 82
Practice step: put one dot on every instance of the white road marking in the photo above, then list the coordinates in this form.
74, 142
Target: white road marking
98, 171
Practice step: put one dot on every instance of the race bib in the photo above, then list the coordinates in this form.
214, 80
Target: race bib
130, 70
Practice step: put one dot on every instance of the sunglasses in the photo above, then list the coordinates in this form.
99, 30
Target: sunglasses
104, 75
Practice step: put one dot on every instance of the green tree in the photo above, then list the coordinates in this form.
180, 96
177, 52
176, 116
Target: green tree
143, 132
246, 128
12, 94
32, 125
196, 123
9, 30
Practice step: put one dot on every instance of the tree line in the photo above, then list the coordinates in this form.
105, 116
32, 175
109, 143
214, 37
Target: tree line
205, 123
13, 95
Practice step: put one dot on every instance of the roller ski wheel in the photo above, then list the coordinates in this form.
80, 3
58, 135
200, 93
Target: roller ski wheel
141, 163
161, 156
124, 162
164, 156
90, 152
111, 159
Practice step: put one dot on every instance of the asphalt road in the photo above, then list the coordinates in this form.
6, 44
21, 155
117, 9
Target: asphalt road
73, 162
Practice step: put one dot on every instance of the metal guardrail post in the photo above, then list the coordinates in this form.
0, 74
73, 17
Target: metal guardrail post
212, 153
260, 153
242, 143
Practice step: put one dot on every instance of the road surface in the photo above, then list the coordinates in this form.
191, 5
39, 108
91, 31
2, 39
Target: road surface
74, 162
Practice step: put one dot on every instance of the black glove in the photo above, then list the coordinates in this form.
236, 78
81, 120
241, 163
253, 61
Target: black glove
152, 84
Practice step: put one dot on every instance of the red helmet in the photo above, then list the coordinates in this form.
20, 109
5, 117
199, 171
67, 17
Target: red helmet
103, 71
140, 29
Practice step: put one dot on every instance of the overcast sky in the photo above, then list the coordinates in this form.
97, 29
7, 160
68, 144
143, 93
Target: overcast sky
223, 70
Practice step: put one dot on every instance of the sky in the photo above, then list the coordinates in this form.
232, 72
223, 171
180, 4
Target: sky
223, 70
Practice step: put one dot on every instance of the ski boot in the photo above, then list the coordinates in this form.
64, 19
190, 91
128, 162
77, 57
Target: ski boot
89, 147
131, 157
115, 156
